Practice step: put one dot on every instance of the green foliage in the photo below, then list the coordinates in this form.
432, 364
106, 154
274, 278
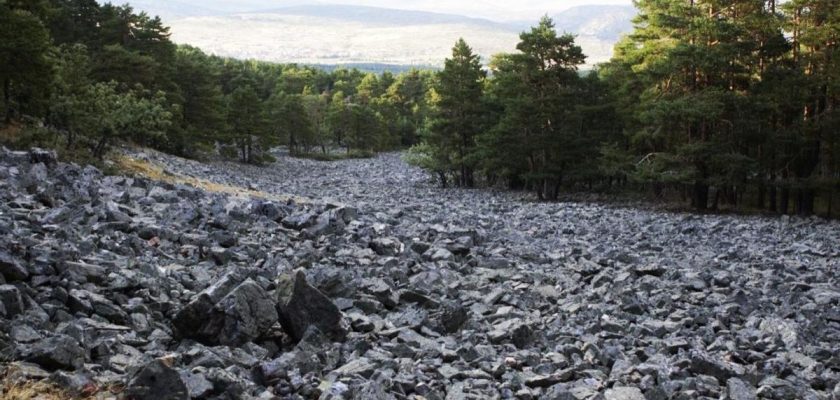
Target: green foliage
207, 103
454, 123
539, 138
24, 67
710, 100
247, 126
101, 113
289, 117
730, 95
353, 154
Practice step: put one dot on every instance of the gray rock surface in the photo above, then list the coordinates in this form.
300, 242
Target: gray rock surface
157, 381
369, 282
300, 306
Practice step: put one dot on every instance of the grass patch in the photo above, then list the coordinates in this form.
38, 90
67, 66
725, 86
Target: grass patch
320, 156
40, 390
146, 169
16, 385
10, 134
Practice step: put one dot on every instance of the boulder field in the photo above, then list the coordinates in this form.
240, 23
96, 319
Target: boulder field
375, 284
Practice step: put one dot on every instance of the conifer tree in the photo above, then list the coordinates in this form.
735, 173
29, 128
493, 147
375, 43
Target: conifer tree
458, 113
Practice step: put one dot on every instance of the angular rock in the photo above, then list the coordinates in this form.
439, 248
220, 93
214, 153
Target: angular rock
11, 269
300, 305
43, 156
386, 246
56, 352
705, 364
624, 393
156, 381
737, 389
242, 315
452, 317
11, 301
300, 220
197, 385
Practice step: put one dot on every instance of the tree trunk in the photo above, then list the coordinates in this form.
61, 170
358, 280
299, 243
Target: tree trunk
716, 202
7, 99
71, 139
762, 195
806, 201
784, 202
101, 145
773, 206
701, 196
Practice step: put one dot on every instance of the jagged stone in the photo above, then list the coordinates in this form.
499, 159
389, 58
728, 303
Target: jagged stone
11, 269
157, 381
300, 305
459, 293
11, 300
56, 352
227, 315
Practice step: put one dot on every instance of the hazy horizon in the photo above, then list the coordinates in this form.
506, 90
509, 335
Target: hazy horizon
331, 32
496, 10
499, 10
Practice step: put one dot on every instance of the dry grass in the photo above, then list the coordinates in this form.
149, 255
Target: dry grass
10, 133
32, 390
155, 172
15, 386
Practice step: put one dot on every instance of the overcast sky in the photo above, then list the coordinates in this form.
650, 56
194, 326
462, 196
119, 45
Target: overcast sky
495, 9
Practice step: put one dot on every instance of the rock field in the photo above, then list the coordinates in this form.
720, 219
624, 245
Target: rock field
382, 286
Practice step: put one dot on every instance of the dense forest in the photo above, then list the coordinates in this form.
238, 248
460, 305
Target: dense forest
721, 103
725, 104
81, 76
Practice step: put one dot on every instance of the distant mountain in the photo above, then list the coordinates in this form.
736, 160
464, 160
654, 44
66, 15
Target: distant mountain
605, 22
169, 10
302, 31
382, 16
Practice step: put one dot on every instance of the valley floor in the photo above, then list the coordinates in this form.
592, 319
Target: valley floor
645, 287
444, 294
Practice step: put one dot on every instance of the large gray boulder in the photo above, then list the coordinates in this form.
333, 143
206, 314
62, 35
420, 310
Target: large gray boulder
57, 352
221, 315
11, 301
300, 305
156, 381
11, 269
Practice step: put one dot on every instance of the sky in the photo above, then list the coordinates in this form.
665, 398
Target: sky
502, 10
499, 10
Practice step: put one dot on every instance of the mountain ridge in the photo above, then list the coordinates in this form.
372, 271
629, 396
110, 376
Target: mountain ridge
310, 32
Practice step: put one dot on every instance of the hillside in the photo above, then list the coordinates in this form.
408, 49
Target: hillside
403, 288
343, 34
603, 22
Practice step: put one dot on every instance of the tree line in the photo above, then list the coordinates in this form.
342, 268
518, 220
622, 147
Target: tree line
87, 75
722, 103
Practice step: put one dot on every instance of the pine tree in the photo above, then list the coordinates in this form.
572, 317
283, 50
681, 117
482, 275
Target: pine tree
458, 112
25, 72
202, 111
246, 123
538, 89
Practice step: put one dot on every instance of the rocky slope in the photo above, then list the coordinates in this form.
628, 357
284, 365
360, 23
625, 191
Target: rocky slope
385, 287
